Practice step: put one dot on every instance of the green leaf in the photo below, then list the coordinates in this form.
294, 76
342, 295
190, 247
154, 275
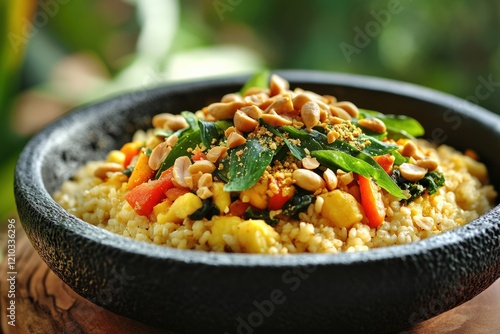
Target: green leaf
186, 142
264, 215
222, 173
307, 141
212, 132
431, 182
259, 79
191, 119
209, 133
397, 125
247, 163
336, 159
294, 149
299, 203
376, 147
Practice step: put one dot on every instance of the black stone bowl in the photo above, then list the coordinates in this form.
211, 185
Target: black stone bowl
381, 290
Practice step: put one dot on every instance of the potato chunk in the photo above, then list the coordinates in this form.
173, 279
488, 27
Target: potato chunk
255, 236
341, 209
222, 225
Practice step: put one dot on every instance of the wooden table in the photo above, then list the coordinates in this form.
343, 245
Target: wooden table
44, 304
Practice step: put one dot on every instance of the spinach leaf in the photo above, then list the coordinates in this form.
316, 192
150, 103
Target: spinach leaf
259, 79
251, 213
248, 162
337, 159
186, 142
431, 182
298, 203
208, 210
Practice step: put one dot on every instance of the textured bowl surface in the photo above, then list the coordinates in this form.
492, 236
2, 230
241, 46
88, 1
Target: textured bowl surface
380, 290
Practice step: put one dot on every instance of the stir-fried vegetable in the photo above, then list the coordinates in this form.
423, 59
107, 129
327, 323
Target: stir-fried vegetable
237, 160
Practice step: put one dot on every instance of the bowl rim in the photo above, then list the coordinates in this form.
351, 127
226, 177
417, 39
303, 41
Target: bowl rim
72, 225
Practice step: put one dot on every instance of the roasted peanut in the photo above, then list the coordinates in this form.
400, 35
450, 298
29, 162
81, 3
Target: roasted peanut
409, 149
215, 153
332, 136
108, 167
310, 163
307, 180
203, 166
206, 180
428, 163
340, 113
277, 85
299, 100
281, 106
252, 111
272, 118
169, 121
243, 122
180, 172
204, 193
350, 107
221, 110
412, 172
310, 114
172, 140
159, 153
373, 124
231, 97
235, 139
330, 179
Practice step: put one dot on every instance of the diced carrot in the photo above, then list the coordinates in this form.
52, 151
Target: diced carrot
371, 201
277, 201
238, 208
199, 156
130, 150
141, 173
385, 161
144, 197
174, 193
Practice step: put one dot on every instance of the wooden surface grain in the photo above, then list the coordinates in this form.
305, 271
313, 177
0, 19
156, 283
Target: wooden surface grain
45, 304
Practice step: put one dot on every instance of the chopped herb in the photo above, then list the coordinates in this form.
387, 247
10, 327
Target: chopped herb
297, 204
431, 182
208, 210
252, 213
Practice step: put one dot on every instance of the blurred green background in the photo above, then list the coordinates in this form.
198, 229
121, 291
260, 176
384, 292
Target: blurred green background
61, 53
